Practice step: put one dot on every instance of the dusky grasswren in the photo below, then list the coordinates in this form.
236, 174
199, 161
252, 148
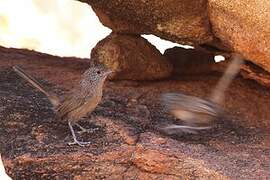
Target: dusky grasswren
77, 103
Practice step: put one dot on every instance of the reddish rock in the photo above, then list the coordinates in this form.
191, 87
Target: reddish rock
189, 61
184, 21
197, 62
240, 26
127, 143
254, 72
131, 57
243, 26
165, 158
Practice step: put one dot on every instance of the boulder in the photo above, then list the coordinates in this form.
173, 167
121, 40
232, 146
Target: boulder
131, 57
189, 61
243, 26
198, 62
128, 142
184, 21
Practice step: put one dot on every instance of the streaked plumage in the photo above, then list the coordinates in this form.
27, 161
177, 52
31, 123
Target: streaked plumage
80, 101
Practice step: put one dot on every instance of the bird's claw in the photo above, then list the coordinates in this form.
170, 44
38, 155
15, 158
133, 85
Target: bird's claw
84, 130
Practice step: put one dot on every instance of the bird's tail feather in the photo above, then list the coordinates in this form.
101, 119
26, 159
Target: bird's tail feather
51, 96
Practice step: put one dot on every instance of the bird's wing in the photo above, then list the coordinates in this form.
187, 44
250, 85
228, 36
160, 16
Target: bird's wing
69, 104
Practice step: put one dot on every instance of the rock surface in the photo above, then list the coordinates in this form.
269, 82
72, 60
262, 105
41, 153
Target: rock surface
131, 57
254, 72
197, 62
241, 26
183, 22
128, 143
189, 61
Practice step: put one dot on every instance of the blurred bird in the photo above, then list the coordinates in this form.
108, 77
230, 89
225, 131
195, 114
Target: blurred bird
196, 113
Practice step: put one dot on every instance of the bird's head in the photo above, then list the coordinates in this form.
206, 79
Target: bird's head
99, 72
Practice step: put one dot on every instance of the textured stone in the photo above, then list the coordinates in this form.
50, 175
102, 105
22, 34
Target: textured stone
127, 143
243, 26
195, 62
183, 21
131, 57
152, 155
254, 72
189, 61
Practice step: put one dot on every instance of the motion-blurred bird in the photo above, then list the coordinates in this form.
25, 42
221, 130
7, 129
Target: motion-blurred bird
197, 113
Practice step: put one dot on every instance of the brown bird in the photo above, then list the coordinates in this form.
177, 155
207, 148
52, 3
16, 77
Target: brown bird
80, 101
197, 113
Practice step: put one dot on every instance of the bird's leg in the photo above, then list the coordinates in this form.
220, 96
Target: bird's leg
84, 130
75, 141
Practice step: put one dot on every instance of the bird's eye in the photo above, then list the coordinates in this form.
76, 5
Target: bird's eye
98, 72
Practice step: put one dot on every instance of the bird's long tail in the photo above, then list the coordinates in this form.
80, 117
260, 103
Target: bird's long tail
51, 96
231, 71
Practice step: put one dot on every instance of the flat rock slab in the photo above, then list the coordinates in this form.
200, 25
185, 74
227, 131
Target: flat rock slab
127, 143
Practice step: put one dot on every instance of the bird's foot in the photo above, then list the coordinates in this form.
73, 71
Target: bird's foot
75, 141
92, 130
84, 130
80, 143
